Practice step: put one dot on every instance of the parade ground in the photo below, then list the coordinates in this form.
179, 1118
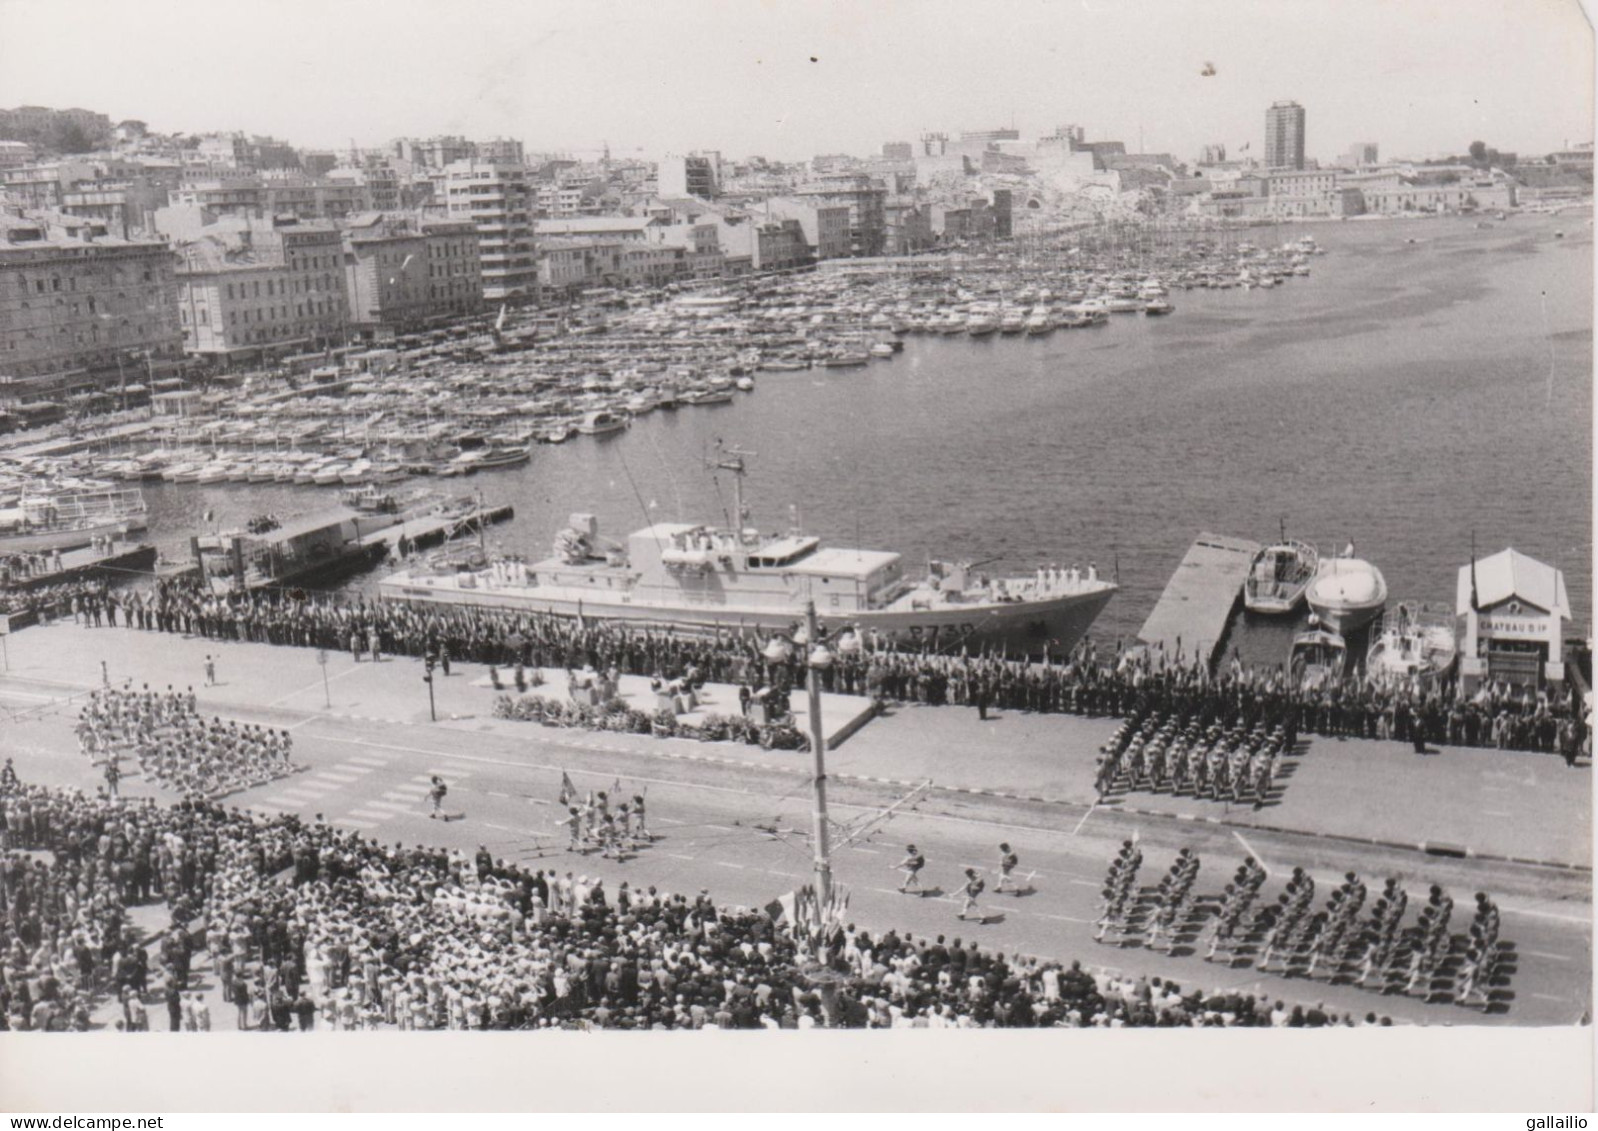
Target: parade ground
734, 818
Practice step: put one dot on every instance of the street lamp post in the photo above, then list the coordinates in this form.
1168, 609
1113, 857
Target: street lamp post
818, 658
817, 661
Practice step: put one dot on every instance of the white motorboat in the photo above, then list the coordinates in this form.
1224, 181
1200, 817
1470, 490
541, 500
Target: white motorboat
1347, 592
1412, 643
1278, 577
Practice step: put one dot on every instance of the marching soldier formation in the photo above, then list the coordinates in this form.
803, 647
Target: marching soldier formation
1339, 942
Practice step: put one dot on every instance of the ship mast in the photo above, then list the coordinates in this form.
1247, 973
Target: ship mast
732, 459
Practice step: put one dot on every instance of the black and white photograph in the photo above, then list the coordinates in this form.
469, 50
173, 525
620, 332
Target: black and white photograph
560, 527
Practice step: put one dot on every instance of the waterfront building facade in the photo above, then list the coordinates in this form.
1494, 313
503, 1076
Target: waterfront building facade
81, 307
498, 201
405, 272
255, 288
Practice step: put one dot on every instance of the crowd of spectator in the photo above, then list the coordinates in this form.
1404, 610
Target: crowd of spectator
1088, 682
306, 926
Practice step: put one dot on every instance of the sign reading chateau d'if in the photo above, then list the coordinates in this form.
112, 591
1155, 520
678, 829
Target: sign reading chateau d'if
1520, 628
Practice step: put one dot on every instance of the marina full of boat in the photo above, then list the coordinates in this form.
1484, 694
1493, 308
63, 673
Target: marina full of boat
481, 397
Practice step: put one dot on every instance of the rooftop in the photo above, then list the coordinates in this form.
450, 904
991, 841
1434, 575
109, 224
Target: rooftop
1511, 574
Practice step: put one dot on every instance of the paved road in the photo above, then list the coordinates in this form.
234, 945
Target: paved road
741, 829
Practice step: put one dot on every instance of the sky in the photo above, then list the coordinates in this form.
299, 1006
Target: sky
790, 79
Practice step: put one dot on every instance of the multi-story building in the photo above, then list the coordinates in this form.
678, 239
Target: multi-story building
653, 265
498, 201
41, 187
568, 265
826, 225
1284, 136
702, 254
864, 198
501, 151
14, 154
1212, 154
286, 195
80, 308
898, 151
435, 152
908, 226
1001, 134
691, 175
249, 288
951, 223
405, 271
638, 229
384, 188
1361, 155
558, 202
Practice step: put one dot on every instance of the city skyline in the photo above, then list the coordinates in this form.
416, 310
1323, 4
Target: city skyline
819, 78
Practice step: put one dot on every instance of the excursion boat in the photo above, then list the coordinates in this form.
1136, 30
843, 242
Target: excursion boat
44, 519
706, 580
1347, 592
1278, 577
1318, 656
1410, 643
1159, 306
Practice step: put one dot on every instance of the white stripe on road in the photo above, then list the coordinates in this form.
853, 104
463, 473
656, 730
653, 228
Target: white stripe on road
728, 864
1545, 954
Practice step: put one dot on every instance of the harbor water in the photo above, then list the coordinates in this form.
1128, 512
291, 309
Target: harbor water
1431, 378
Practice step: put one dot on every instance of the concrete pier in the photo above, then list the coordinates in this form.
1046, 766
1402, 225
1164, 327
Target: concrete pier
1199, 599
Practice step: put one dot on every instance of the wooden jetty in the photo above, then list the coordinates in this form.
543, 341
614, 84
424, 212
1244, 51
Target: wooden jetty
86, 563
430, 530
1193, 612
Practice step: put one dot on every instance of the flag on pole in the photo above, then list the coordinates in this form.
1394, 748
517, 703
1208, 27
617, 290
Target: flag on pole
568, 791
1475, 599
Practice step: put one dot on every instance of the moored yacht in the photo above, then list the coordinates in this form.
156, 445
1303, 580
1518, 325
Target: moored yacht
1346, 592
1278, 577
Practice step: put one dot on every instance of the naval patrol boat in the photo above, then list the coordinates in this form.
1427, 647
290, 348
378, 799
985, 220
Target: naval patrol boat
707, 580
